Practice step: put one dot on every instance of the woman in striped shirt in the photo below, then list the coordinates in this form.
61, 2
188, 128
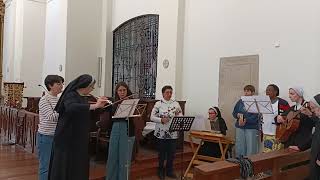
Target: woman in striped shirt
48, 121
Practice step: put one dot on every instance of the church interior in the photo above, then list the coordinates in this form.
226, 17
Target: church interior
196, 89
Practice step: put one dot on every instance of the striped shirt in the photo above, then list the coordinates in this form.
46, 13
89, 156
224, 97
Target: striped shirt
48, 118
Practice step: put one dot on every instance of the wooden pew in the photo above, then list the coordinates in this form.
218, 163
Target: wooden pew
284, 164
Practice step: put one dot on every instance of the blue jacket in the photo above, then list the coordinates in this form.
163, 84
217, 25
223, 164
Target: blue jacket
252, 119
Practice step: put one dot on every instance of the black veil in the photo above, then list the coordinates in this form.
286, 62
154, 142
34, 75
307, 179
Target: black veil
82, 81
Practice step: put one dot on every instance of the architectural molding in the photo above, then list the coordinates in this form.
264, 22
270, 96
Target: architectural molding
39, 1
8, 2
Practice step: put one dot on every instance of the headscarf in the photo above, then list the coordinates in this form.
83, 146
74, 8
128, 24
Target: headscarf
298, 90
217, 110
82, 81
222, 123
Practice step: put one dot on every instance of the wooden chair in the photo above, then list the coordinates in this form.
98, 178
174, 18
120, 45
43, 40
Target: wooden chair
101, 136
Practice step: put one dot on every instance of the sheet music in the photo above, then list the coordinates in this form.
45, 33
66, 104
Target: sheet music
126, 108
256, 104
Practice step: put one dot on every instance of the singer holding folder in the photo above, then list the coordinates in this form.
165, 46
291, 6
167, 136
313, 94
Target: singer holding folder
48, 119
247, 127
70, 157
121, 140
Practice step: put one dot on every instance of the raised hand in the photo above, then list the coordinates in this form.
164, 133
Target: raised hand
280, 119
165, 120
101, 102
306, 111
296, 148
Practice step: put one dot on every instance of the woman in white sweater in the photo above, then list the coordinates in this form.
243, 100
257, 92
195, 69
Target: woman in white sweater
163, 113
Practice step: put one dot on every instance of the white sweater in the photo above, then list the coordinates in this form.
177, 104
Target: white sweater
168, 109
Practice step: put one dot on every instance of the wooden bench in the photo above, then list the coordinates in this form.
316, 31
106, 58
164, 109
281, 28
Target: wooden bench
283, 164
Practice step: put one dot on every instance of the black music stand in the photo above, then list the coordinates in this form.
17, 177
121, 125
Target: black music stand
181, 124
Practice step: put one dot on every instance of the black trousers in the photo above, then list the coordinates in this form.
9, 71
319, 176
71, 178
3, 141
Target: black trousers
167, 151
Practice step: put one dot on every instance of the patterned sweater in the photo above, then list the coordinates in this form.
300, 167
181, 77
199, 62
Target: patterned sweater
162, 109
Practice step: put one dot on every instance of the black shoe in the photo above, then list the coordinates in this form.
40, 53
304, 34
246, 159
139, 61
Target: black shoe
161, 173
172, 175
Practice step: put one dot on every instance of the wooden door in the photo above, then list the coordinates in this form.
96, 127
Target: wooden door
235, 73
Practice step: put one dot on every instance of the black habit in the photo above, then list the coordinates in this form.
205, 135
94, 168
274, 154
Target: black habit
315, 152
210, 148
70, 157
303, 135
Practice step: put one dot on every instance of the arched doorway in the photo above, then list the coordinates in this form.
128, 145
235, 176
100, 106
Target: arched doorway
135, 52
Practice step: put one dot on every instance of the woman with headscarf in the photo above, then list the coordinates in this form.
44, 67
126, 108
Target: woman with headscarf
299, 139
217, 124
70, 157
121, 140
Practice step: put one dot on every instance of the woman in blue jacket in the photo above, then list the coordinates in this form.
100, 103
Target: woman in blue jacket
247, 127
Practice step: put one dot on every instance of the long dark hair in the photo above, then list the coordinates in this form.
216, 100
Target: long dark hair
123, 84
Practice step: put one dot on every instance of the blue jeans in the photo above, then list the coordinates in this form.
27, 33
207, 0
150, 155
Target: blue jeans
247, 142
44, 146
120, 152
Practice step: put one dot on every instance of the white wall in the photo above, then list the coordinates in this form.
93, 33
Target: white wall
55, 38
74, 38
34, 16
83, 38
24, 43
124, 10
18, 41
8, 40
215, 29
12, 45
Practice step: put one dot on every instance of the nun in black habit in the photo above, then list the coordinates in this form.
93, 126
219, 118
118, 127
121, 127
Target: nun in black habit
69, 156
315, 143
217, 123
